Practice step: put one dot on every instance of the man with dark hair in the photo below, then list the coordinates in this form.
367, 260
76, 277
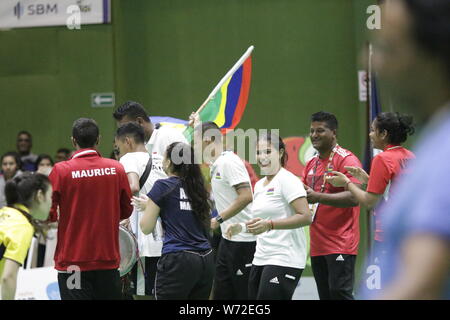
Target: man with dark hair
93, 195
157, 138
132, 111
24, 145
335, 229
85, 133
328, 118
132, 131
130, 141
62, 154
412, 56
232, 193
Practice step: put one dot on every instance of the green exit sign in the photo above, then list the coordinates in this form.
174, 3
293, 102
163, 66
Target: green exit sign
102, 100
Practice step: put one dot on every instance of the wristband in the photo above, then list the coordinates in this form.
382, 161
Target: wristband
243, 226
346, 184
271, 225
219, 219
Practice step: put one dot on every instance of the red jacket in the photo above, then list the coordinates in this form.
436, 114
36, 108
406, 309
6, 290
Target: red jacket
93, 195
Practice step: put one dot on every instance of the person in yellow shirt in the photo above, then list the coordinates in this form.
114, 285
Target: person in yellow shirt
28, 199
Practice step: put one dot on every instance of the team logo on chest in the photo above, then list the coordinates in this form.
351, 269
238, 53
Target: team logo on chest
270, 191
218, 176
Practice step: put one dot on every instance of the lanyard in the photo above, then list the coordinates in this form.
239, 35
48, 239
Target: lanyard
327, 169
26, 214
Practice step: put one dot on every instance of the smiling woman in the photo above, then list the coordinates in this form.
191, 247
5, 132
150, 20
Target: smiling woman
388, 131
279, 212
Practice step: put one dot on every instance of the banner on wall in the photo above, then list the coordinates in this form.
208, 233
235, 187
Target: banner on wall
42, 13
37, 284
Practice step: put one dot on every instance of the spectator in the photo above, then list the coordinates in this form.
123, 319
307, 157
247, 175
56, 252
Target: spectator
44, 164
11, 165
62, 154
24, 145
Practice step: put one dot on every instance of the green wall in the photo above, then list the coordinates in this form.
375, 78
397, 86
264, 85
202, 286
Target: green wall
47, 76
169, 54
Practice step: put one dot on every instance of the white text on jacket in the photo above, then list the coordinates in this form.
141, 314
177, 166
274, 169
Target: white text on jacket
93, 173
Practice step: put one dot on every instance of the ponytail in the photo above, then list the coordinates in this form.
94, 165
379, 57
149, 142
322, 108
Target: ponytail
398, 126
23, 188
183, 165
11, 192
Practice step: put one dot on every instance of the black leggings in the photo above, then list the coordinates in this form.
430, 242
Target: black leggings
273, 282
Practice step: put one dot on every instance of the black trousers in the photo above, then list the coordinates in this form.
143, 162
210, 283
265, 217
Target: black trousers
273, 282
233, 264
334, 275
91, 285
185, 275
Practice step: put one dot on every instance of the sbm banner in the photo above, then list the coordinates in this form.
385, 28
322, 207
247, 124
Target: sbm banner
40, 13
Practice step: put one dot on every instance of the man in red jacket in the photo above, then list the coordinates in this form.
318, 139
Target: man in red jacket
93, 195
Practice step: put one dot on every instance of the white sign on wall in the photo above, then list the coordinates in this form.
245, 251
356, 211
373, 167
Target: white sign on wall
306, 289
39, 13
37, 284
362, 85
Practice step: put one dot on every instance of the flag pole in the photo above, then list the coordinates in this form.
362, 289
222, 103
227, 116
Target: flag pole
226, 77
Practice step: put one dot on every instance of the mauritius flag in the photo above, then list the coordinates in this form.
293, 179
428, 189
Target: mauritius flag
169, 122
226, 103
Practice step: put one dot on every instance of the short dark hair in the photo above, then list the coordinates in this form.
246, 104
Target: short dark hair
42, 157
85, 132
21, 189
211, 129
206, 126
132, 110
133, 130
16, 157
27, 133
328, 118
63, 150
398, 126
24, 132
431, 27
